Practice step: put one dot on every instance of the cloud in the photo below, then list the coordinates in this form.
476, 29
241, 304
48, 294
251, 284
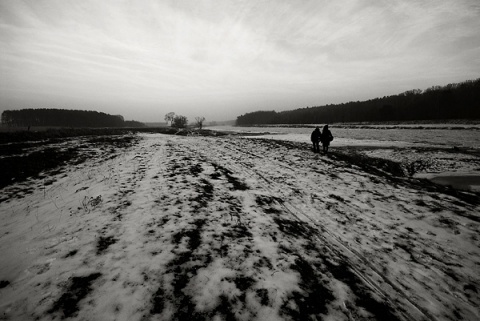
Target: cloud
206, 55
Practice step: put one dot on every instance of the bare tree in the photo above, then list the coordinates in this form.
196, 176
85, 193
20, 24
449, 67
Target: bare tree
170, 117
199, 121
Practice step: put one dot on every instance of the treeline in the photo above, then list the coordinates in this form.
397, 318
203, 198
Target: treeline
454, 101
64, 118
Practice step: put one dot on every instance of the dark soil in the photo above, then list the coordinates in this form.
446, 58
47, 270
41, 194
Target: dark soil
314, 297
234, 181
19, 162
183, 267
78, 289
19, 168
104, 243
205, 194
381, 310
158, 301
4, 284
71, 253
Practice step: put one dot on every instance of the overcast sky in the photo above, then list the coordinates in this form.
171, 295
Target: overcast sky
221, 59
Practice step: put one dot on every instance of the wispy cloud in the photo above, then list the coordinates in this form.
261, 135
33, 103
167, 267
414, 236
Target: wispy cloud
227, 57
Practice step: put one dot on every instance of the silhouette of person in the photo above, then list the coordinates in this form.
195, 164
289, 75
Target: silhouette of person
315, 138
327, 137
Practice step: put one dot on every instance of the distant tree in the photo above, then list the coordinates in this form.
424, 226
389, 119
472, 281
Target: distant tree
133, 123
170, 117
7, 118
199, 122
180, 121
60, 117
453, 101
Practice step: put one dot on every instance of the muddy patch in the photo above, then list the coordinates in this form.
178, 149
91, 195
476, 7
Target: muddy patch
183, 268
43, 160
313, 298
104, 242
269, 204
196, 169
158, 301
70, 254
205, 194
4, 284
79, 287
363, 295
294, 228
236, 183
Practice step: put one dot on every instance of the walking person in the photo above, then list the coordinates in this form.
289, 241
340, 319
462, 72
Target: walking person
315, 138
327, 137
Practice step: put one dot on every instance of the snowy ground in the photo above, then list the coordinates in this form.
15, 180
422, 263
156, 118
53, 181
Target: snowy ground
232, 228
444, 163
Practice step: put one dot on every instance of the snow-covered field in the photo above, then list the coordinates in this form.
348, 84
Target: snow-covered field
444, 153
234, 228
439, 135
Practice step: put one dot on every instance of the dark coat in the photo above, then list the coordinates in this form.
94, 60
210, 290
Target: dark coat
327, 136
316, 135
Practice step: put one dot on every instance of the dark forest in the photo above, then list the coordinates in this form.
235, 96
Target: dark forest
64, 118
453, 101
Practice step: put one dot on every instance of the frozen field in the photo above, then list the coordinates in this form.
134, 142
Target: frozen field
447, 135
448, 154
230, 228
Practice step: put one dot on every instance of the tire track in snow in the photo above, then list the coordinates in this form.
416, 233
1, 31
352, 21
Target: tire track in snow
205, 238
122, 254
247, 277
239, 166
380, 279
380, 275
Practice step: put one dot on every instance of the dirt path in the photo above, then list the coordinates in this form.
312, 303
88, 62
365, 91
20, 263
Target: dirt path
199, 228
